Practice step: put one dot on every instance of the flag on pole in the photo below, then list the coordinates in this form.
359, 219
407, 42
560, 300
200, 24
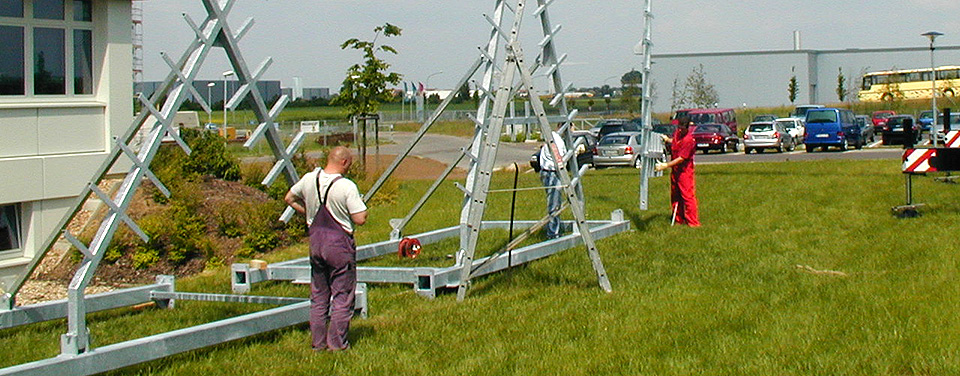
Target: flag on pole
404, 97
421, 88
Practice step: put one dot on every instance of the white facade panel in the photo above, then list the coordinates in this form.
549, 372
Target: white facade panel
71, 130
21, 179
18, 128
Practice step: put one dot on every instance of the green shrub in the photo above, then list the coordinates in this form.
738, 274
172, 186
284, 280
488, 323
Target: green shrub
144, 257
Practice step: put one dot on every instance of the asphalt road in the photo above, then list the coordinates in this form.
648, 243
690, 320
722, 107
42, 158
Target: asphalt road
446, 149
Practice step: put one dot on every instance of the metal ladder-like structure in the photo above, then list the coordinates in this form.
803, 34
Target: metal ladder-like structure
498, 88
652, 149
477, 192
213, 32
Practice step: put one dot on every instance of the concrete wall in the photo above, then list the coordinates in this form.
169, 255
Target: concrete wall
761, 78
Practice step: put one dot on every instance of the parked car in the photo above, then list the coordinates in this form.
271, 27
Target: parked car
618, 149
879, 119
616, 125
926, 120
725, 116
800, 112
794, 127
664, 129
827, 127
716, 137
762, 135
585, 149
866, 128
899, 128
767, 118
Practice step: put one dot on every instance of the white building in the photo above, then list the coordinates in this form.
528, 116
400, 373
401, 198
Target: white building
65, 92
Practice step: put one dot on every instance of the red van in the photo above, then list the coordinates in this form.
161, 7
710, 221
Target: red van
726, 116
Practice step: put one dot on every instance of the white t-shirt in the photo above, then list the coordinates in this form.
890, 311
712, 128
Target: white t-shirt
344, 197
546, 157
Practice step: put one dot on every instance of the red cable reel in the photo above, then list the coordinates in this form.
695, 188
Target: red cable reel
409, 248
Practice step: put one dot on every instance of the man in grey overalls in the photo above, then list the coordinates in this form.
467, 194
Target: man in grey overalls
332, 205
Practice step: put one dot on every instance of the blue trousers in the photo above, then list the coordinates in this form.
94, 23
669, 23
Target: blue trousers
554, 197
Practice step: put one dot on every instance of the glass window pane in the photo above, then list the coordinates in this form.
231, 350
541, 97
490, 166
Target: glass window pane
9, 227
82, 62
48, 9
11, 61
11, 8
83, 10
48, 56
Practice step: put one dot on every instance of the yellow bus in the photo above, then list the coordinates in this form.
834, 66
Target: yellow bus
908, 84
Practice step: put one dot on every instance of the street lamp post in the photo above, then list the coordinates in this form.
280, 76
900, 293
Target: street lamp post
225, 75
210, 86
933, 77
426, 105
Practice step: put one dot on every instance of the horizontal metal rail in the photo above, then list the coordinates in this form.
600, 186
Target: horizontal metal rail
57, 309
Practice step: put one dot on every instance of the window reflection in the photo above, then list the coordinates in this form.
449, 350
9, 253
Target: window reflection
11, 61
82, 10
82, 62
48, 9
11, 8
48, 71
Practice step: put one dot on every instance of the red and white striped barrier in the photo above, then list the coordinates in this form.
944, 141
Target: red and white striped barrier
952, 139
918, 160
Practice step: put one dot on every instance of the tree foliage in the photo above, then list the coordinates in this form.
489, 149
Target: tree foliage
365, 85
696, 91
841, 86
793, 88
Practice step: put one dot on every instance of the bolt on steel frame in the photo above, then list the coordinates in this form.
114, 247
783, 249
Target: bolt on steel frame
77, 355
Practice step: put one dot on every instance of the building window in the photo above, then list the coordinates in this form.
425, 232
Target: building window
48, 71
10, 238
48, 47
11, 8
48, 9
11, 61
82, 62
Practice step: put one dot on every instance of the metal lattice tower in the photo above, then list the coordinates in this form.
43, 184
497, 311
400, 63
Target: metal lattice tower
213, 32
652, 150
136, 13
499, 85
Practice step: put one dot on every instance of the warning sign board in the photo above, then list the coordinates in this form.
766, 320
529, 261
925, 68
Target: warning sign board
922, 160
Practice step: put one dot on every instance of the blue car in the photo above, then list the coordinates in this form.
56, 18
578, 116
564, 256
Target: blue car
926, 120
826, 127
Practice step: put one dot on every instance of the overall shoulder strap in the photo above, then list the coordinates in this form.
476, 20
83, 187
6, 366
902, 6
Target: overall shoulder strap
323, 199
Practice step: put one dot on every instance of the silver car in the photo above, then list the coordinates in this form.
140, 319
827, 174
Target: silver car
759, 136
618, 149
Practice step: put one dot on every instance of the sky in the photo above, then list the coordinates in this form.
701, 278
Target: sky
303, 36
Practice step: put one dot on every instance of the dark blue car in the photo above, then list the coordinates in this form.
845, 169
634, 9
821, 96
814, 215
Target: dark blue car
926, 120
826, 127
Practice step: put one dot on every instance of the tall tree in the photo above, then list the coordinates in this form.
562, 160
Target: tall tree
793, 88
365, 85
701, 92
841, 88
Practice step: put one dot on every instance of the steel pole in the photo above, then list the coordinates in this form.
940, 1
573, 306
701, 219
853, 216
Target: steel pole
933, 74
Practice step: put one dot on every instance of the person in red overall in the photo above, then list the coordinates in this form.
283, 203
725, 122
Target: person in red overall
683, 188
333, 252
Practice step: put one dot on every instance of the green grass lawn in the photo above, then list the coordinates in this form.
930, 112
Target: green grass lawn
723, 299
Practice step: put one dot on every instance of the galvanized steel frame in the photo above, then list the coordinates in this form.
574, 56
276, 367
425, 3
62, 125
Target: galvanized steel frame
428, 280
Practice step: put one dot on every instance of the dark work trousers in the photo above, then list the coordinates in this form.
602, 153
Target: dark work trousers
333, 280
